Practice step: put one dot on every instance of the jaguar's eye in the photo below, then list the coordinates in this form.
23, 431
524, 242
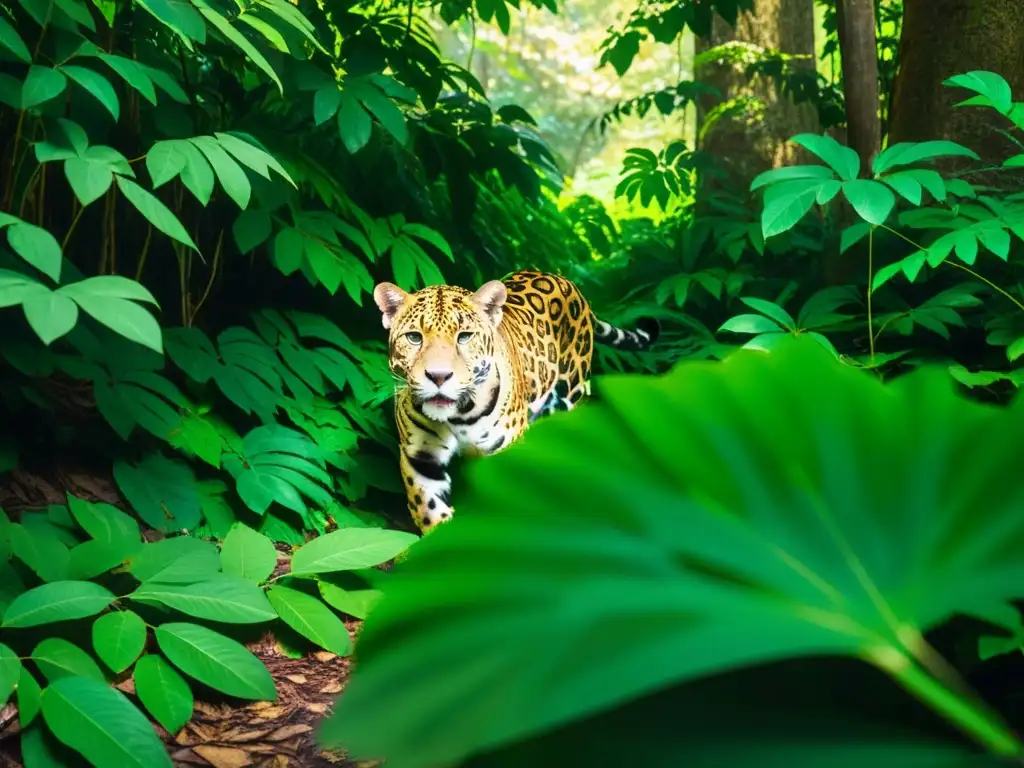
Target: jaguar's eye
464, 337
414, 338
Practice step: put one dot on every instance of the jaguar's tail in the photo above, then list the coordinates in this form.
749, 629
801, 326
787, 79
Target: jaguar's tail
646, 333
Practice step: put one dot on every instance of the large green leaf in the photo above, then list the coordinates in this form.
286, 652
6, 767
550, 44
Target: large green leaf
349, 549
218, 598
161, 490
215, 660
58, 658
308, 616
180, 560
164, 692
727, 520
10, 672
102, 724
118, 638
57, 601
248, 554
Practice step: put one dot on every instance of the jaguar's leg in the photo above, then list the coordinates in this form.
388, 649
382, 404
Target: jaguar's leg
426, 451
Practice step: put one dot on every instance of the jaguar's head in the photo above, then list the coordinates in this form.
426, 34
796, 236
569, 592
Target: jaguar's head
441, 342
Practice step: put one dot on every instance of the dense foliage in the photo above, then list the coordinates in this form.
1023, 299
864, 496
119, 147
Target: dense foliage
196, 200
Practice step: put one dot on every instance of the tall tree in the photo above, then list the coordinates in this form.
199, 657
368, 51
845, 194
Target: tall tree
942, 38
753, 140
856, 26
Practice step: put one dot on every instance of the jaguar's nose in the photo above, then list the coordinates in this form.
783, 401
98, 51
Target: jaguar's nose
438, 377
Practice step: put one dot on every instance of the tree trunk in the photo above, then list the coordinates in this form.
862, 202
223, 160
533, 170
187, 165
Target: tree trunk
856, 26
942, 38
749, 143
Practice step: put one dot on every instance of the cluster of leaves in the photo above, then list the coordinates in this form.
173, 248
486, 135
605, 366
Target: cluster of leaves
180, 177
665, 22
145, 610
950, 220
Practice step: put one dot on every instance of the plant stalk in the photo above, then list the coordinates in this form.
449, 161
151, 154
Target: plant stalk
973, 718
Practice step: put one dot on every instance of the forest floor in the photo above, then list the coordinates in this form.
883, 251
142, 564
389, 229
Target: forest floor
279, 734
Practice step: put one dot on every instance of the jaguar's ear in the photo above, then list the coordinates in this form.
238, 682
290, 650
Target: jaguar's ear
389, 298
490, 297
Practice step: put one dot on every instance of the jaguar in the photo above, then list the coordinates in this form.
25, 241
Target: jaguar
476, 368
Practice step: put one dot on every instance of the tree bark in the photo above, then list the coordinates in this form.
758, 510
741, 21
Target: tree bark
942, 38
856, 26
749, 144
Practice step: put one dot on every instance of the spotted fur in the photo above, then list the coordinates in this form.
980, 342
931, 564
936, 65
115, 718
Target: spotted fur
479, 367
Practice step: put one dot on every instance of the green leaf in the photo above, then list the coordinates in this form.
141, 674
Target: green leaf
107, 524
57, 601
155, 212
312, 619
11, 40
386, 112
107, 298
230, 173
872, 201
97, 85
354, 597
354, 123
100, 722
220, 598
988, 84
853, 234
756, 536
41, 551
791, 173
843, 160
349, 549
906, 186
786, 203
750, 324
29, 694
132, 73
907, 153
215, 660
252, 156
119, 638
1015, 350
431, 236
89, 181
50, 316
109, 287
162, 491
251, 229
38, 247
167, 159
197, 175
774, 311
179, 16
42, 84
179, 560
248, 554
57, 658
10, 672
325, 103
223, 26
163, 692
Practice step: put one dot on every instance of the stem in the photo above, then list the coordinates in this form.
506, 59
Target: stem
968, 270
871, 275
144, 254
974, 719
71, 229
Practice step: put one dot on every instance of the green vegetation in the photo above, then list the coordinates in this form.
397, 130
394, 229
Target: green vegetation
196, 200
